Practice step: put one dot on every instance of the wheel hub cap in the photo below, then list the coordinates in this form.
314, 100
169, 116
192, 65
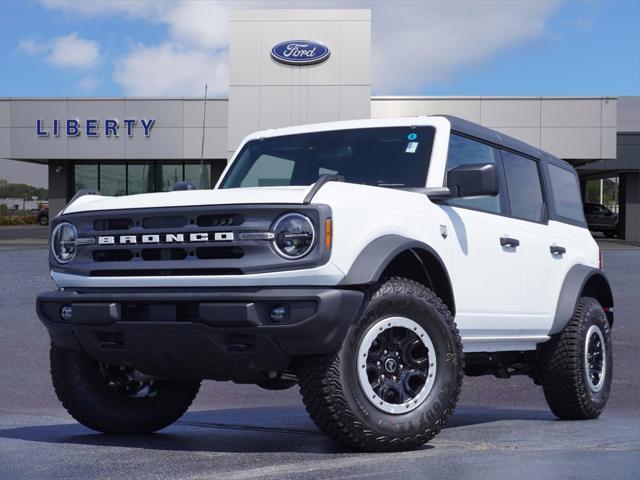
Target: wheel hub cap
396, 365
595, 361
390, 365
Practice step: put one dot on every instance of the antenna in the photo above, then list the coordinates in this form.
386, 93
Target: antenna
204, 175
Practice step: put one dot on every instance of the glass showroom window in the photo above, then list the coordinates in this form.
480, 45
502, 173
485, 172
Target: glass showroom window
167, 175
85, 176
129, 178
140, 178
113, 179
199, 175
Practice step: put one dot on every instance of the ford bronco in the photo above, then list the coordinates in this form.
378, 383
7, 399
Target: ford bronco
373, 263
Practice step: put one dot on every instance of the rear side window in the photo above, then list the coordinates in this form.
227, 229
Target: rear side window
567, 201
523, 184
464, 151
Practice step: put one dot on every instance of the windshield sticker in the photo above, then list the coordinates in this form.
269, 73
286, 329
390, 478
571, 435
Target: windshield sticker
411, 147
412, 136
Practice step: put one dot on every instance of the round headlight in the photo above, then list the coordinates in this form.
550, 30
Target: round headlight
63, 242
294, 235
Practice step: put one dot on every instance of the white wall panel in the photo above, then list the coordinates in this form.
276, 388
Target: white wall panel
5, 113
24, 113
244, 114
25, 144
469, 109
5, 143
571, 113
525, 134
572, 143
323, 103
395, 108
354, 102
275, 106
609, 143
215, 145
510, 112
217, 113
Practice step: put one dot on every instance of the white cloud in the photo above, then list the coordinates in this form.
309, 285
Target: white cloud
73, 51
88, 83
31, 47
100, 8
201, 24
429, 42
166, 70
67, 51
415, 43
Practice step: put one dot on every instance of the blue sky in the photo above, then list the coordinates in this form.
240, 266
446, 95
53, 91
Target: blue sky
73, 48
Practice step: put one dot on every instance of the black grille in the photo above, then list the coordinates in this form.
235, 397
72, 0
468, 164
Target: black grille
164, 222
155, 254
120, 255
106, 224
218, 220
176, 312
160, 272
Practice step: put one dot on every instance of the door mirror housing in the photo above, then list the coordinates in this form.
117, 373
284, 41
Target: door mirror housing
473, 180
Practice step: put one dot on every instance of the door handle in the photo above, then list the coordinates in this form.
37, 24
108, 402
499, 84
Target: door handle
556, 250
509, 242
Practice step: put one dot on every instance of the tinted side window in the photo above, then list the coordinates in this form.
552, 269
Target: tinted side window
567, 200
464, 151
523, 183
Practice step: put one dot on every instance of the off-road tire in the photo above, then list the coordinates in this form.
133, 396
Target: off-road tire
337, 404
87, 397
562, 366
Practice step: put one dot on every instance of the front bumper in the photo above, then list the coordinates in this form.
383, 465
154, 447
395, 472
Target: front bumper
222, 334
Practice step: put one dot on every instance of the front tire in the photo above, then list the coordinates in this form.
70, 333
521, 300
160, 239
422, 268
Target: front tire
396, 377
117, 400
576, 366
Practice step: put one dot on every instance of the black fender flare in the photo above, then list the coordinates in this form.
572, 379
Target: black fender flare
581, 280
378, 254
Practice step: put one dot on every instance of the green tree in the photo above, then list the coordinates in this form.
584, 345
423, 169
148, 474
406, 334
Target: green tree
21, 190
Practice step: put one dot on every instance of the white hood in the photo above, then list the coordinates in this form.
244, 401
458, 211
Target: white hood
191, 198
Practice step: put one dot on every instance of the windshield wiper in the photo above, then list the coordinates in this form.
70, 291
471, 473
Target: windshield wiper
322, 179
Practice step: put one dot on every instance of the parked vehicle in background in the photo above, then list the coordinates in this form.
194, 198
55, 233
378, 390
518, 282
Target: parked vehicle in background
43, 217
601, 219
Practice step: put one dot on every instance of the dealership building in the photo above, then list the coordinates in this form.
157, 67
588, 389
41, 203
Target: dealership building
289, 67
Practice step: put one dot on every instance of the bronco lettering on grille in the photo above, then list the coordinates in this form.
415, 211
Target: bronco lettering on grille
165, 238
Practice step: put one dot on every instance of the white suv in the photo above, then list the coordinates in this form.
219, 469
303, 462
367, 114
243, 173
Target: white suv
371, 262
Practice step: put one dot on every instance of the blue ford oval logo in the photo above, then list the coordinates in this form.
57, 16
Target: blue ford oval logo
300, 52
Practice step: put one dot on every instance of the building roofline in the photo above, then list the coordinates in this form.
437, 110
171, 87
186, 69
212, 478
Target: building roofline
99, 99
488, 97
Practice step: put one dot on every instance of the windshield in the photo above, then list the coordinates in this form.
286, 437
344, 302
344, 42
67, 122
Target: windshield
396, 157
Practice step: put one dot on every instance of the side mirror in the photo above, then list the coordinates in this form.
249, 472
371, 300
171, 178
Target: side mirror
473, 180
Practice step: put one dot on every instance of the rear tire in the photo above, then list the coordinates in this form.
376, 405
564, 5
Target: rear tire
397, 376
576, 366
609, 233
106, 399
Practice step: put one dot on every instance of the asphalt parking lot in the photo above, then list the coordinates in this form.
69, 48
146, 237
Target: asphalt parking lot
502, 428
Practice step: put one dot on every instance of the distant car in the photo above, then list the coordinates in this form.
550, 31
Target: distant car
601, 219
43, 216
